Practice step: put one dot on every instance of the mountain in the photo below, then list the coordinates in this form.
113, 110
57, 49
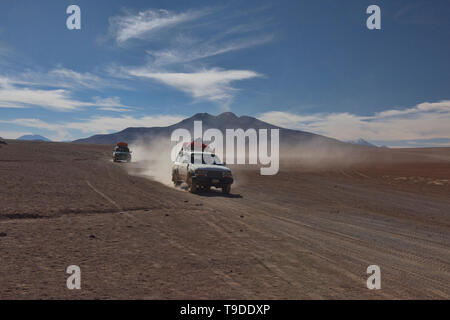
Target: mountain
34, 137
227, 120
362, 142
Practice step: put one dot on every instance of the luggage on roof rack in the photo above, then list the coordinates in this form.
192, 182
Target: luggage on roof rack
191, 146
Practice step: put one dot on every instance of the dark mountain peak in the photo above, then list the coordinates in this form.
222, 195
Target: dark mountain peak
227, 116
200, 116
222, 122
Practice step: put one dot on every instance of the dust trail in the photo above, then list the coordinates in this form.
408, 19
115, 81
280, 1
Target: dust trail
317, 154
152, 159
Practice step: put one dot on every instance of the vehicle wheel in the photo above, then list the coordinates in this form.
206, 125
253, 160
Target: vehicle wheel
175, 181
193, 187
226, 189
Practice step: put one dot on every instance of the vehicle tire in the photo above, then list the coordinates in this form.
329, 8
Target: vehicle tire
193, 187
175, 181
226, 189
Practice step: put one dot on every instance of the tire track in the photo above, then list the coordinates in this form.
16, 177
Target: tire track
353, 248
111, 201
225, 278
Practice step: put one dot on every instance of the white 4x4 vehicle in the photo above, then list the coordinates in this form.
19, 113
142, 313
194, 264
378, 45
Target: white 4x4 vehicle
201, 171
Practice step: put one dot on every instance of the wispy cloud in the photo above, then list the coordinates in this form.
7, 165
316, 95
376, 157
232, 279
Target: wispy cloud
64, 78
95, 125
15, 96
13, 134
421, 12
212, 84
438, 107
145, 23
428, 120
109, 124
188, 47
191, 43
196, 51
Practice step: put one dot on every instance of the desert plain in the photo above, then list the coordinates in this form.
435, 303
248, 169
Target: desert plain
309, 232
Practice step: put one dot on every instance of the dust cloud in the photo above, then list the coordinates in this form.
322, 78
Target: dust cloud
316, 154
152, 160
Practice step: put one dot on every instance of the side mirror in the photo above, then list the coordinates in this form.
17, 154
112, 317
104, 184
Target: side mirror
224, 163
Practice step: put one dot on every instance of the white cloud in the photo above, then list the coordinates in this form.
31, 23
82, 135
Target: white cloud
110, 104
12, 96
12, 134
94, 125
51, 99
428, 120
59, 129
196, 51
442, 106
63, 78
146, 22
179, 40
113, 124
69, 78
287, 119
213, 84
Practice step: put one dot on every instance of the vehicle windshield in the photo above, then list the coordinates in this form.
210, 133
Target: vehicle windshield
206, 158
122, 149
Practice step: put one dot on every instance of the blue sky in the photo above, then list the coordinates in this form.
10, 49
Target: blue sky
308, 65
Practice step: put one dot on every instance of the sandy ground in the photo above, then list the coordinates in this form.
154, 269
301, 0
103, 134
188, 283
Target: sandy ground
306, 233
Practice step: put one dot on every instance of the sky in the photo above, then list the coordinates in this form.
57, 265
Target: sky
306, 65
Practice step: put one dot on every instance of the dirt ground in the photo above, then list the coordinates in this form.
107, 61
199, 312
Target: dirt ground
305, 233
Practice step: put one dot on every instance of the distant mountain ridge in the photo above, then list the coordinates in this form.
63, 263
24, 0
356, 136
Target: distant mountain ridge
226, 120
33, 137
362, 142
